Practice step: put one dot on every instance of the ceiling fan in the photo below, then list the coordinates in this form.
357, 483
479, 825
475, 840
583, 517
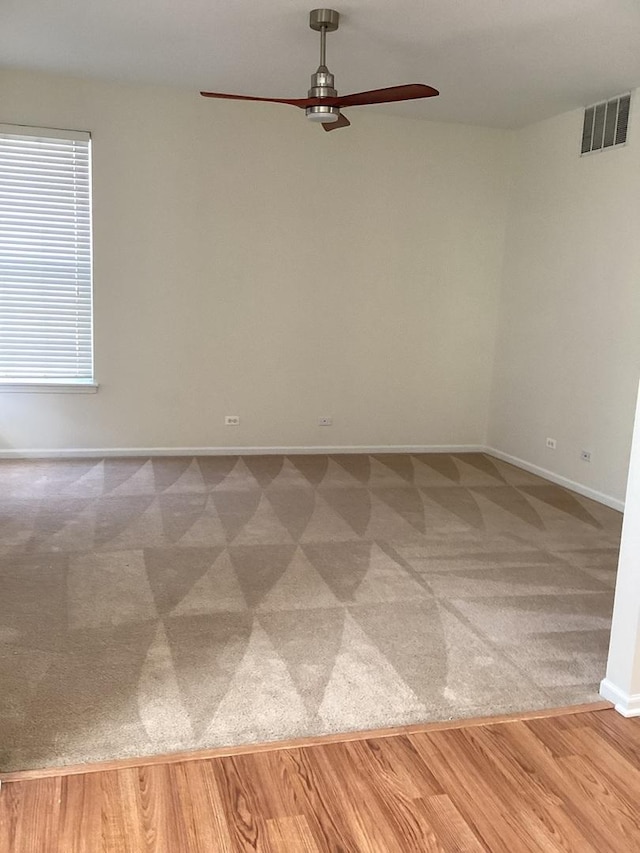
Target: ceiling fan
323, 103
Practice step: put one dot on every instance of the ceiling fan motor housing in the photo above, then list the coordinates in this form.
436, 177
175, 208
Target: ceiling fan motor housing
322, 87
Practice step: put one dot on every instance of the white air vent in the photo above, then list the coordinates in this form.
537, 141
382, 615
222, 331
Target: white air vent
605, 124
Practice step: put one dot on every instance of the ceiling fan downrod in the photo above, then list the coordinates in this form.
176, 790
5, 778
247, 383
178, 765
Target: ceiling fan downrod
322, 82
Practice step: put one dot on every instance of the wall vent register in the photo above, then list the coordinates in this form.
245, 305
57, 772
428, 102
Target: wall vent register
605, 124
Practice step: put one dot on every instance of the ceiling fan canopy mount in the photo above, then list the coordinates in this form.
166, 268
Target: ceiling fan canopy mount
323, 104
324, 19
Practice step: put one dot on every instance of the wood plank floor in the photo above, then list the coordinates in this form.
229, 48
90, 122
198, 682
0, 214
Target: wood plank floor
565, 783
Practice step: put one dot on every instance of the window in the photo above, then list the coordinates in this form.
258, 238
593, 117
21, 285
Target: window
46, 334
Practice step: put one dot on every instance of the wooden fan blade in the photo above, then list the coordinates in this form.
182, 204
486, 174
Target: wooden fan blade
295, 102
410, 92
343, 121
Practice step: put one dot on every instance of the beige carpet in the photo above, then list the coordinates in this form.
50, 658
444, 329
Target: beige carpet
149, 605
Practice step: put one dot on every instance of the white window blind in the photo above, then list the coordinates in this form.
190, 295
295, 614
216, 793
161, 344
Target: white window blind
45, 257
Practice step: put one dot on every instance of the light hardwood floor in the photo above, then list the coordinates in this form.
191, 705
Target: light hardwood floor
568, 782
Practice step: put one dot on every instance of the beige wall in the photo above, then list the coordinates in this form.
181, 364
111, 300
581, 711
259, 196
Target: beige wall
248, 263
568, 349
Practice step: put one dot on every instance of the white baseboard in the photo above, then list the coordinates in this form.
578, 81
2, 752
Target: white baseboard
626, 704
100, 452
93, 452
600, 497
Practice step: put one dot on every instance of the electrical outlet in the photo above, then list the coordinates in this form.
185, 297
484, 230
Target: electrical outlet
325, 421
585, 455
551, 443
231, 420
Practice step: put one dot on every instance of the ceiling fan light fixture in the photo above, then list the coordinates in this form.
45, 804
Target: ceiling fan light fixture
323, 114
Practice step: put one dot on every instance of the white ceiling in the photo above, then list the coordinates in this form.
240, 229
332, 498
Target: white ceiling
496, 62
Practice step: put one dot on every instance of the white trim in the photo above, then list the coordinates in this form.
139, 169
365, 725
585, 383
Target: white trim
48, 387
91, 452
625, 704
588, 492
67, 453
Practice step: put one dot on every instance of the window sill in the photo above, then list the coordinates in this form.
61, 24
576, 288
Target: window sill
48, 387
